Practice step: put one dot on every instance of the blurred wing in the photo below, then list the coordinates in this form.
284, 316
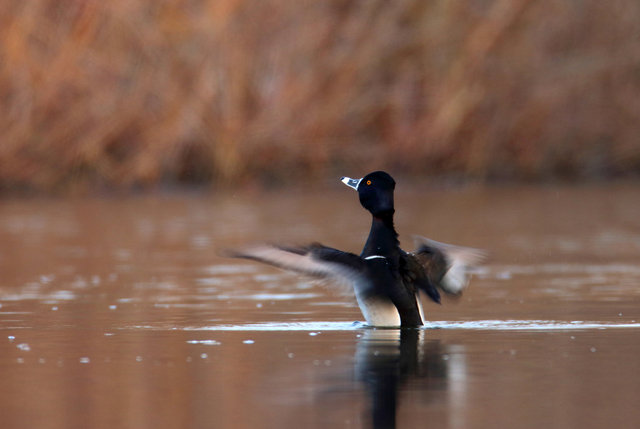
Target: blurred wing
414, 273
447, 266
315, 260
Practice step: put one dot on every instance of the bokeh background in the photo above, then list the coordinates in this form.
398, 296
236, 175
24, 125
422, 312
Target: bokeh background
130, 94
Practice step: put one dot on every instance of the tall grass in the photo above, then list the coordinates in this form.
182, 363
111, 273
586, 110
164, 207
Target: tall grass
132, 93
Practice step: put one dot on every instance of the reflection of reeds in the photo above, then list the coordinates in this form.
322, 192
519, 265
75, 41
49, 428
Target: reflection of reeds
125, 93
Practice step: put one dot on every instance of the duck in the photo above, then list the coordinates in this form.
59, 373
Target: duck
388, 282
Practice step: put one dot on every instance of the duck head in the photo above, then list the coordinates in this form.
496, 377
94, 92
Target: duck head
375, 191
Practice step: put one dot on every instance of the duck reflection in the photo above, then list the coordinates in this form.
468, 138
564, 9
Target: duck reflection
387, 359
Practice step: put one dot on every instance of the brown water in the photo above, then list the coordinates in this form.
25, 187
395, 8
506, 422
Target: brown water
120, 313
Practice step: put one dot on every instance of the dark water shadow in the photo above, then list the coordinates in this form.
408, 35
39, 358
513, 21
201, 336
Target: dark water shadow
387, 360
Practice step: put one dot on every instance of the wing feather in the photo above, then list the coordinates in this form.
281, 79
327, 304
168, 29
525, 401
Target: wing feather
314, 260
448, 266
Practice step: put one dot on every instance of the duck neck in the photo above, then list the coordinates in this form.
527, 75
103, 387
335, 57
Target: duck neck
383, 238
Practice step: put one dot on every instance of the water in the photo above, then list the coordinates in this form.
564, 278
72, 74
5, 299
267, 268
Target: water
121, 312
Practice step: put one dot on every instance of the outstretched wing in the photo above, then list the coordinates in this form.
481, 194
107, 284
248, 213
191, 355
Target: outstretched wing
446, 265
415, 276
314, 260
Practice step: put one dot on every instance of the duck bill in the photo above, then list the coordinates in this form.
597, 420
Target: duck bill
352, 183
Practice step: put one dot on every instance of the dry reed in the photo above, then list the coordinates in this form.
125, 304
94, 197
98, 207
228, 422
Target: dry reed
131, 93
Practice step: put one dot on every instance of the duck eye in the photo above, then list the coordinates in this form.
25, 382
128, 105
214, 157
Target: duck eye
368, 182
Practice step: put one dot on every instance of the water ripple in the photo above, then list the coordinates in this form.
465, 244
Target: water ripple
529, 325
479, 325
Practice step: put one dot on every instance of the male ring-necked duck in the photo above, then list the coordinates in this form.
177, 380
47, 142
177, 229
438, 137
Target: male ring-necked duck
387, 280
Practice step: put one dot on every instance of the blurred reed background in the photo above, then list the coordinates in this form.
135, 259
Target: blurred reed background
136, 93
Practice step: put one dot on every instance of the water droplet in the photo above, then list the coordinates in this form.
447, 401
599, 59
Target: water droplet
24, 347
11, 338
205, 342
505, 275
593, 349
138, 358
85, 359
290, 355
54, 308
203, 356
248, 341
113, 307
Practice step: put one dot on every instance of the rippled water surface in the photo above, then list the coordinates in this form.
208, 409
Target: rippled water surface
121, 312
